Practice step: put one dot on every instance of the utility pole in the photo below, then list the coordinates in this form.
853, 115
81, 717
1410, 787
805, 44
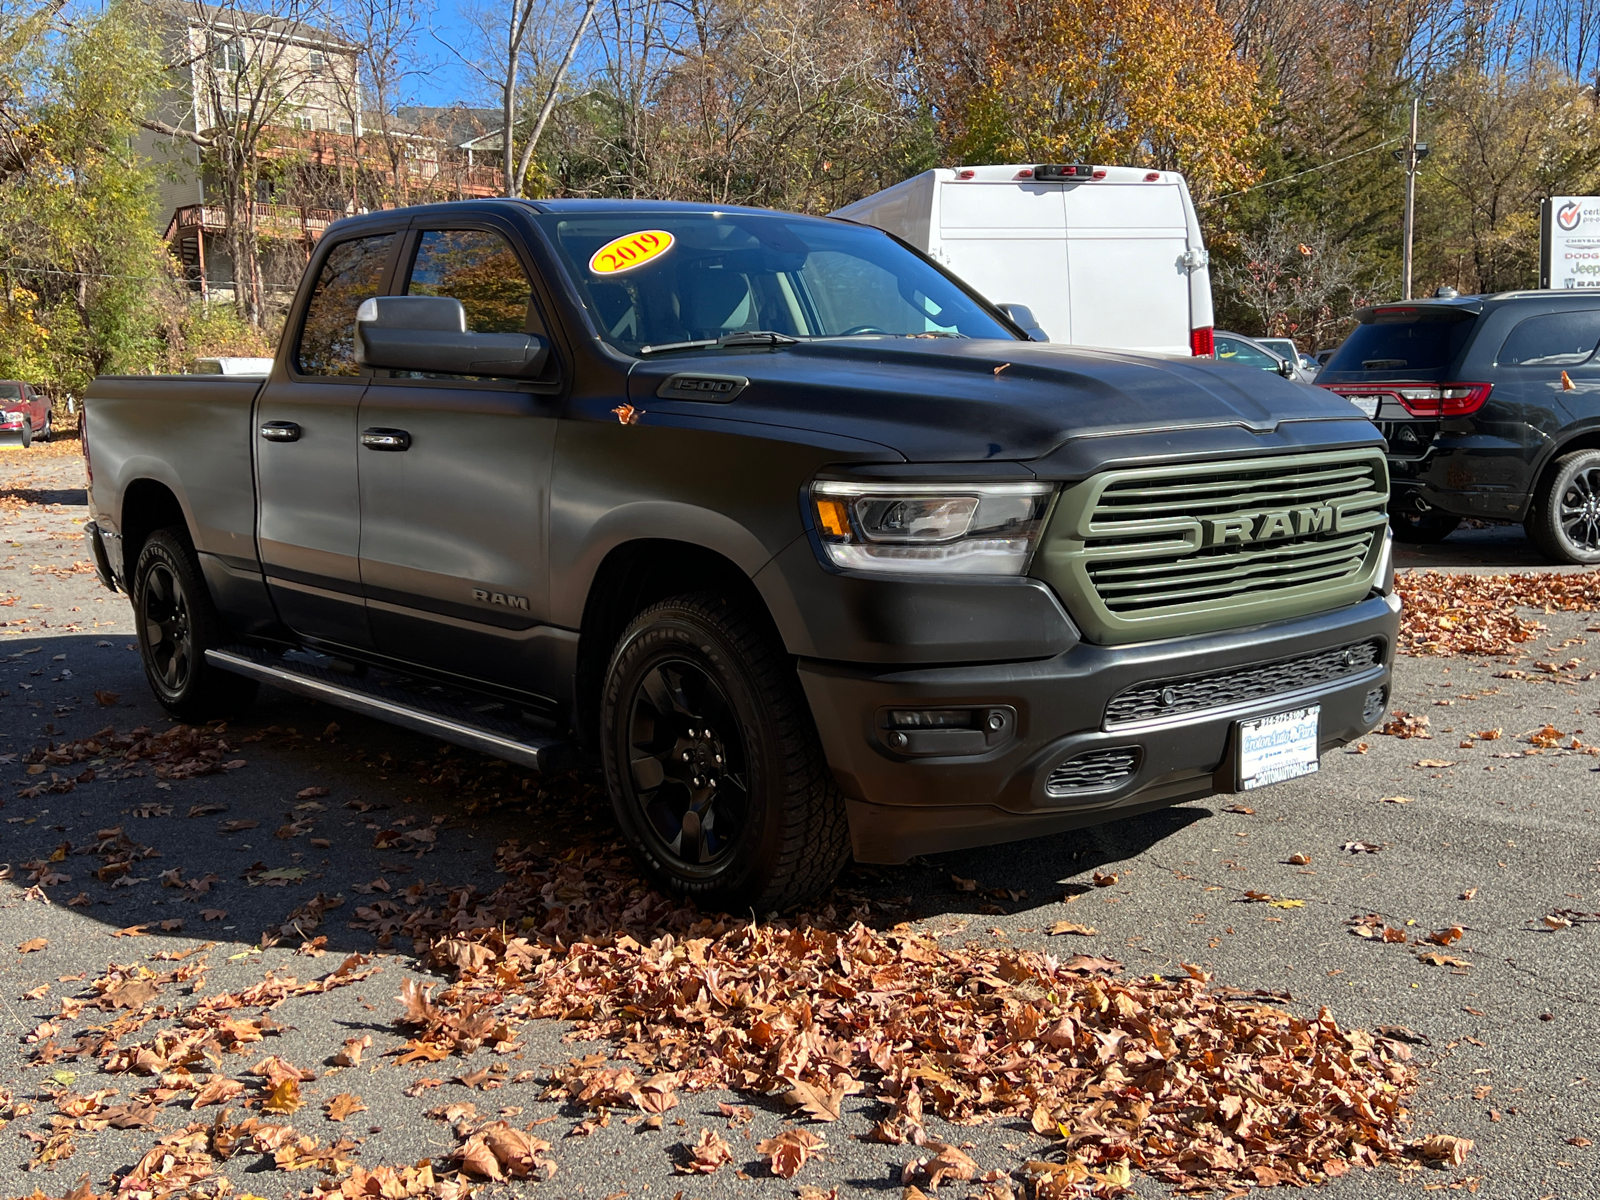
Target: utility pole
1412, 158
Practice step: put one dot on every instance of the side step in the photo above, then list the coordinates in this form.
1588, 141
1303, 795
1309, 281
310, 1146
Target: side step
489, 727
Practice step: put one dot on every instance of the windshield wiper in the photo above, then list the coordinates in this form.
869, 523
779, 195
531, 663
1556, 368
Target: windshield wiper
749, 337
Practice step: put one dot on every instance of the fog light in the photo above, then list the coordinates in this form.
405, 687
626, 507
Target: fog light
1372, 707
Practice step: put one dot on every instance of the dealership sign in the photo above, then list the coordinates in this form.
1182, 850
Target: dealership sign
1569, 242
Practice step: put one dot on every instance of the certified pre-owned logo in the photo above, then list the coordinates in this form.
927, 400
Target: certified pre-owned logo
504, 599
1267, 526
1569, 215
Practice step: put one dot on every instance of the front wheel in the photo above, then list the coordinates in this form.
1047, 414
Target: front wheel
1418, 522
1564, 523
715, 771
177, 623
44, 433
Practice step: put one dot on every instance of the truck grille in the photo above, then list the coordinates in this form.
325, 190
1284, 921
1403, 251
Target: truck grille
1169, 551
1198, 693
1092, 771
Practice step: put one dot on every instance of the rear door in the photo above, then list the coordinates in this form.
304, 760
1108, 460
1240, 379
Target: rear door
1008, 241
309, 523
1125, 262
453, 533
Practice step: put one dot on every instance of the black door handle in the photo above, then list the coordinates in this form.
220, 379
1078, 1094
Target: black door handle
386, 439
281, 431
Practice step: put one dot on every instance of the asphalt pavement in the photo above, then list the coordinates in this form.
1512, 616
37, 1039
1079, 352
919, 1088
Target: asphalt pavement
1417, 834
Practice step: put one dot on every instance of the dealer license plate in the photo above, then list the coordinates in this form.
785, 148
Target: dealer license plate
1367, 404
1282, 746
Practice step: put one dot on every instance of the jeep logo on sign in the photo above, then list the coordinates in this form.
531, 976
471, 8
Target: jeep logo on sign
504, 599
1268, 526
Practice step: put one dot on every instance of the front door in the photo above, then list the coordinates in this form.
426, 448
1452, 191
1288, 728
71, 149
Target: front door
306, 445
455, 482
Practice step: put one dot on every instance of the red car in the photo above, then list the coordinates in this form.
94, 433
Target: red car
24, 413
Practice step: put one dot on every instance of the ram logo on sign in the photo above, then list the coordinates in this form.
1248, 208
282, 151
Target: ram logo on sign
1569, 242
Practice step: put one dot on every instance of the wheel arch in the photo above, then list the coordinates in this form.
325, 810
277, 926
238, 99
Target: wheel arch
631, 577
148, 505
1583, 439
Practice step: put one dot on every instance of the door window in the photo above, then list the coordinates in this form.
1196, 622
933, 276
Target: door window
480, 269
352, 272
1553, 340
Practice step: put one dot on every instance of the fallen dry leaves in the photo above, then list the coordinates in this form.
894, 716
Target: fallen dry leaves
1477, 614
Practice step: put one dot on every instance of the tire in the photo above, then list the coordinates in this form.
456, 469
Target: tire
45, 433
1564, 522
702, 715
176, 623
1414, 520
27, 434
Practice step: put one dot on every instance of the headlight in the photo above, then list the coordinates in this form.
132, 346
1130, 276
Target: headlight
931, 528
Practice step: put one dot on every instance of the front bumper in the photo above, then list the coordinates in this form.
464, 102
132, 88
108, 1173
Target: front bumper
917, 800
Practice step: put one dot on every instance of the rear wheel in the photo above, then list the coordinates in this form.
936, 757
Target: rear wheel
1564, 523
1416, 521
715, 771
176, 624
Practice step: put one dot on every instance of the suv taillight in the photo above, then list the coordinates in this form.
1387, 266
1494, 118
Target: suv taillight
1435, 400
1202, 342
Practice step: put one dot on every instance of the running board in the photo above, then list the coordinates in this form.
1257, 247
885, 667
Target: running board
490, 727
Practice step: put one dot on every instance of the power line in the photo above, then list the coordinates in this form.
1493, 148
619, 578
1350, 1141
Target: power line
1309, 170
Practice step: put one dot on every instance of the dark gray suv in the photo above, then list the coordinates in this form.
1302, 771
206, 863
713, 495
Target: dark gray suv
1490, 406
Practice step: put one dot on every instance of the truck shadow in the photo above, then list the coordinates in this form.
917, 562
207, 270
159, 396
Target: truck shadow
298, 821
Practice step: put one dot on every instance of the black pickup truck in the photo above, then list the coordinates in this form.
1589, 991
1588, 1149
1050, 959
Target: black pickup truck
796, 535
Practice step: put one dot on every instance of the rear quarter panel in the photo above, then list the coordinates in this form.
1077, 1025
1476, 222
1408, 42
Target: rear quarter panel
188, 432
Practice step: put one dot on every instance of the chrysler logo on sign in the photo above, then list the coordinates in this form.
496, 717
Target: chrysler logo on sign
1265, 527
1569, 215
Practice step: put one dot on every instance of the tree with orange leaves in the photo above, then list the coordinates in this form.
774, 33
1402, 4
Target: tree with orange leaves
1138, 82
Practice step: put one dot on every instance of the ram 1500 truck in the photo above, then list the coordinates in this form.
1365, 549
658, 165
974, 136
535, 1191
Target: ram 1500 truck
795, 534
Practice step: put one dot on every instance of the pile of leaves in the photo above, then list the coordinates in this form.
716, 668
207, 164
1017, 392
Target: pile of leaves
1194, 1085
1477, 614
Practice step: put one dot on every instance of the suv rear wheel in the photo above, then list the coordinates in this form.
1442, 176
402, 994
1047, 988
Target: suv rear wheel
1416, 521
1564, 523
177, 623
714, 767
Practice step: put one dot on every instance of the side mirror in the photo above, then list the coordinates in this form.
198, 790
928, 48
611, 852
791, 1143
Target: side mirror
429, 334
1286, 369
1022, 317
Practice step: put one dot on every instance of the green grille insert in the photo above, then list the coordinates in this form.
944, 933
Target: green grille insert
1173, 551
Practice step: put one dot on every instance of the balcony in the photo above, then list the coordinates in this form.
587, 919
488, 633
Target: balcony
274, 220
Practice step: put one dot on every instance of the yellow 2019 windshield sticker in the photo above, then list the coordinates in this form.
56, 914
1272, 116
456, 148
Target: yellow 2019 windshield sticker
634, 250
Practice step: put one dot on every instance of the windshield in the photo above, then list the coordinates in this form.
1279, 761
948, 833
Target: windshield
10, 391
1416, 343
652, 280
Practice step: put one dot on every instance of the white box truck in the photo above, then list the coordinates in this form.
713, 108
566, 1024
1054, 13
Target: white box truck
1102, 256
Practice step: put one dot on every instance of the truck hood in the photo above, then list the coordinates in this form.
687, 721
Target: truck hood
949, 400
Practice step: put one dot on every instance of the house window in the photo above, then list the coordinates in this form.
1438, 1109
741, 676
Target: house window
228, 58
345, 127
316, 60
301, 122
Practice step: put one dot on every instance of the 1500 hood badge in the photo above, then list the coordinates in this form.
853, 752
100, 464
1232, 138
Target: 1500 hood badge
1264, 527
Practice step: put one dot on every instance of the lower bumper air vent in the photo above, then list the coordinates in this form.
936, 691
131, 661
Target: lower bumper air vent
1092, 771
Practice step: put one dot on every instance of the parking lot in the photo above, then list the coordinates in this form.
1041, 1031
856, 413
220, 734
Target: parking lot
257, 848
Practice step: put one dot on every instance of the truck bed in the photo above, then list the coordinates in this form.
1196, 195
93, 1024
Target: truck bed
190, 432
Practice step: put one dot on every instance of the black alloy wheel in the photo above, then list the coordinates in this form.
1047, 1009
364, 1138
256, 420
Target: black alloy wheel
166, 629
1564, 520
1418, 522
689, 765
1579, 513
717, 777
176, 623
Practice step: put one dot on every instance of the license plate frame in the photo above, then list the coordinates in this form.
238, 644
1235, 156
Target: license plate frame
1276, 747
